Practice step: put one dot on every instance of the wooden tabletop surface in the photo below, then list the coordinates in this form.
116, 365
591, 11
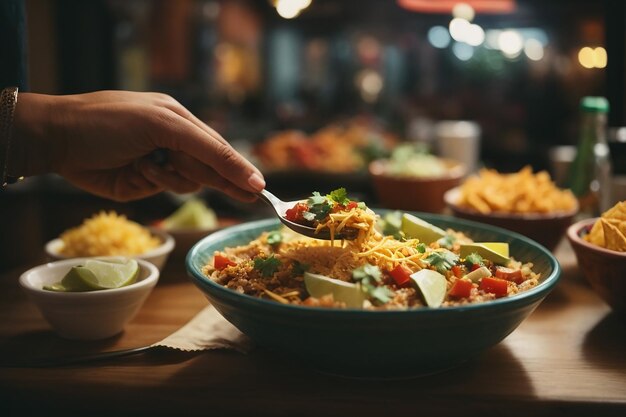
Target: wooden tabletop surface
568, 358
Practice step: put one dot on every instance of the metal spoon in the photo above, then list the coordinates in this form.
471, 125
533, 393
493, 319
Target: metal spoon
280, 207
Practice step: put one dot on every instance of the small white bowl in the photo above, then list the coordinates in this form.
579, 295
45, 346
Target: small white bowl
157, 256
90, 315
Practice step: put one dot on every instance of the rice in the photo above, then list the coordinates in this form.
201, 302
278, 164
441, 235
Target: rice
108, 234
285, 283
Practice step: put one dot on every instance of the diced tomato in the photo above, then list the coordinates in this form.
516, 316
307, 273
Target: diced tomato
220, 262
497, 286
294, 214
461, 289
401, 275
509, 274
475, 267
352, 205
457, 270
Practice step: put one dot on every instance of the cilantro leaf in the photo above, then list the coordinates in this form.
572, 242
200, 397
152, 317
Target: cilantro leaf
392, 225
340, 196
267, 266
316, 199
442, 260
421, 247
319, 207
299, 268
474, 259
369, 276
317, 212
367, 271
447, 241
274, 238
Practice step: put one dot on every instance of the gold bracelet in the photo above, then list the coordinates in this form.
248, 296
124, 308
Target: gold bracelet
8, 101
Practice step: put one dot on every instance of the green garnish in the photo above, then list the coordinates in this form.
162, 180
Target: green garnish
316, 198
474, 259
319, 207
442, 260
447, 241
391, 225
274, 238
299, 268
421, 247
369, 275
339, 196
267, 266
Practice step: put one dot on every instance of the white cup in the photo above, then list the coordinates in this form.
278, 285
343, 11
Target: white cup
459, 140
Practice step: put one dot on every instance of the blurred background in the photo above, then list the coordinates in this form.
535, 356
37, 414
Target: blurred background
393, 69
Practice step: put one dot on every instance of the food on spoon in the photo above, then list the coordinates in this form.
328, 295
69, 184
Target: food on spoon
520, 192
107, 234
335, 212
381, 272
98, 274
609, 231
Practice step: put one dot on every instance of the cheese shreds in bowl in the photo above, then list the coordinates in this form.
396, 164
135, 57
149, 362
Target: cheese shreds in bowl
108, 234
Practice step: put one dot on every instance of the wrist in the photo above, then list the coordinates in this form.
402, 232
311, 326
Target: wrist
31, 136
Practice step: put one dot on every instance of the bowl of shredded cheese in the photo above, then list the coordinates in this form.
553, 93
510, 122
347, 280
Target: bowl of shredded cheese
112, 234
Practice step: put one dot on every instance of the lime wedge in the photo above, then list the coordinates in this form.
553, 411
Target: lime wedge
194, 214
496, 252
432, 285
320, 285
112, 273
98, 275
416, 228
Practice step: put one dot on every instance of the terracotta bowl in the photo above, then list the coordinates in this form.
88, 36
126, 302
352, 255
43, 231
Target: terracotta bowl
414, 193
604, 269
547, 229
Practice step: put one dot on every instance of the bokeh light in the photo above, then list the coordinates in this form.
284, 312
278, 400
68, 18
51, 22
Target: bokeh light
463, 11
439, 37
463, 51
533, 49
510, 42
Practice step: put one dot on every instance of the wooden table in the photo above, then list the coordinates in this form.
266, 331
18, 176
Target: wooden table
568, 358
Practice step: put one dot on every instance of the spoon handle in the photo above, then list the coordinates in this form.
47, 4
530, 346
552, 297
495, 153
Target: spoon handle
272, 200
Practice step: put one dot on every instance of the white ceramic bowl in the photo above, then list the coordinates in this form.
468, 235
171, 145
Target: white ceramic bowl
157, 256
90, 315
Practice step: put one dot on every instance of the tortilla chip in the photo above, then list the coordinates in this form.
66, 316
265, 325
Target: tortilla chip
617, 212
596, 234
613, 237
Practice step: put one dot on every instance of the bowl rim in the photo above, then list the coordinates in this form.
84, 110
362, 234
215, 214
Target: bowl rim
451, 196
456, 171
167, 245
542, 289
148, 282
574, 236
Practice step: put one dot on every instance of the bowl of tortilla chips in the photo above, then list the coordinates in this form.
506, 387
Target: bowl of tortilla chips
600, 247
525, 202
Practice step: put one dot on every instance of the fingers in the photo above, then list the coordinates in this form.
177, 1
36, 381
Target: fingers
194, 170
166, 179
176, 132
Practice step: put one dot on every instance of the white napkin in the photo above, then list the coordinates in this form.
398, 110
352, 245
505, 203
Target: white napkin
207, 330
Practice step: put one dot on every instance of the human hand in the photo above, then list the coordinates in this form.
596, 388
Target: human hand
102, 142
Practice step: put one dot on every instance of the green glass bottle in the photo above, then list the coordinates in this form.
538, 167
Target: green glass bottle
590, 172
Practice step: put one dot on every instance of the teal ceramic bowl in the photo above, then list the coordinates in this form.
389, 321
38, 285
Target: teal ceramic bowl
376, 343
